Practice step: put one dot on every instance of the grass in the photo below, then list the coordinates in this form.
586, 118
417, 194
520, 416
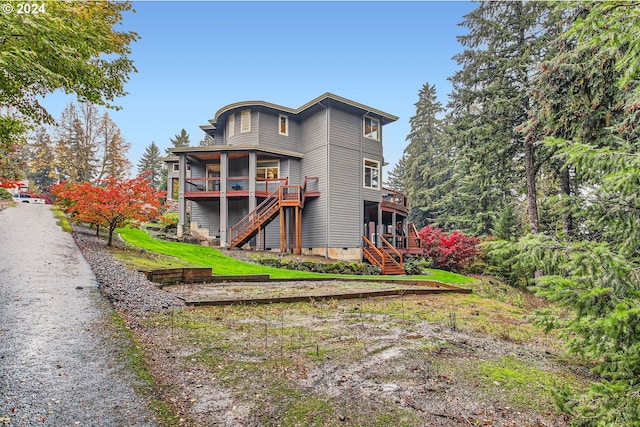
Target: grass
204, 256
136, 361
63, 222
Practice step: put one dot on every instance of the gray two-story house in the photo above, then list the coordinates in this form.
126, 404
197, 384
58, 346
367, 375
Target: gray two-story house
306, 180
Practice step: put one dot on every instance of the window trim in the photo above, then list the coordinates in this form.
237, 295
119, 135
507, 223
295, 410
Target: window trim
263, 161
245, 121
364, 173
286, 125
231, 126
176, 167
364, 128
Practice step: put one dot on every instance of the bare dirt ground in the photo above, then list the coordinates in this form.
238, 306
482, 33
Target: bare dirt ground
446, 360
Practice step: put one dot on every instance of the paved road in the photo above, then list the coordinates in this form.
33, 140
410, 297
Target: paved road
59, 363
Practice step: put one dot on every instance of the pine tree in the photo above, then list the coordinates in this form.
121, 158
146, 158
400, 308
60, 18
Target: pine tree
595, 274
77, 146
41, 160
180, 140
114, 162
427, 160
151, 165
207, 141
396, 177
504, 46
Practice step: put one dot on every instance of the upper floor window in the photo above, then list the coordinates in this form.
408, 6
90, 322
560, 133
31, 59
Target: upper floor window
372, 128
245, 121
231, 126
283, 125
371, 174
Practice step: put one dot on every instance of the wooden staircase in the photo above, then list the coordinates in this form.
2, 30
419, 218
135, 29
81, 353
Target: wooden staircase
387, 258
256, 220
414, 242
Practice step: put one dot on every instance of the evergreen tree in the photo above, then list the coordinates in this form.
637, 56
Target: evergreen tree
76, 145
207, 141
396, 177
595, 273
151, 165
41, 160
180, 140
114, 162
427, 161
504, 46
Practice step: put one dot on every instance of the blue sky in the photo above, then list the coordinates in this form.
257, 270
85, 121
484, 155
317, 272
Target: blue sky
196, 57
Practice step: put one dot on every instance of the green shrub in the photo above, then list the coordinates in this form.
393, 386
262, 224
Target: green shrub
4, 194
339, 267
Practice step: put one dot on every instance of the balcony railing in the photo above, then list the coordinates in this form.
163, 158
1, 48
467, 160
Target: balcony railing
395, 197
236, 183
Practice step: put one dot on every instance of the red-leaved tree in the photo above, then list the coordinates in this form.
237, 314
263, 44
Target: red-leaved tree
454, 251
111, 203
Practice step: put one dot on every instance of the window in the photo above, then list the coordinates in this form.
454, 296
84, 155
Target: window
176, 167
372, 128
231, 126
269, 169
371, 174
283, 125
245, 121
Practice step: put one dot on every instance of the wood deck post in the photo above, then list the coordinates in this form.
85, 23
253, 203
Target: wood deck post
298, 230
283, 230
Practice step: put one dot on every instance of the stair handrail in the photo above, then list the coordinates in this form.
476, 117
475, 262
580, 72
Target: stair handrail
413, 230
386, 243
253, 217
373, 248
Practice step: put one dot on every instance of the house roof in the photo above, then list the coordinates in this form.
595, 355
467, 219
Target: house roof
385, 118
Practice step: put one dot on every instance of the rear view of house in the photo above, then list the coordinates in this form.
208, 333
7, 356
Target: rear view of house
305, 180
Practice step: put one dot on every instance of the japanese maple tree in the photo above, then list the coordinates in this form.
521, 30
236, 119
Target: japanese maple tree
111, 203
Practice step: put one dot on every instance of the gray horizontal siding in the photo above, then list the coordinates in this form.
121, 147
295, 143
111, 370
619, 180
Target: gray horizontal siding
345, 207
269, 132
314, 215
207, 215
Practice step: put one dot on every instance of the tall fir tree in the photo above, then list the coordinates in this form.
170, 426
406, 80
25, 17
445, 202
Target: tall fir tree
113, 151
207, 141
151, 165
503, 49
180, 140
595, 273
41, 170
427, 160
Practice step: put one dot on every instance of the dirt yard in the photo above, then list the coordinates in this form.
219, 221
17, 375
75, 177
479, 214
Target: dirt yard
442, 360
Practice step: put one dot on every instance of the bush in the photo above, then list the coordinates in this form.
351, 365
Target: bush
5, 195
340, 267
453, 252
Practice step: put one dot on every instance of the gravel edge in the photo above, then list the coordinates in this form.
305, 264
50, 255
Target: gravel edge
130, 292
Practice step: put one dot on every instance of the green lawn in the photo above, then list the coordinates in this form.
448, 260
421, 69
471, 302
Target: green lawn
224, 265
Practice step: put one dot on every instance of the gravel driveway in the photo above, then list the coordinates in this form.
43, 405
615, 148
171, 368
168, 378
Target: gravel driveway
59, 356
